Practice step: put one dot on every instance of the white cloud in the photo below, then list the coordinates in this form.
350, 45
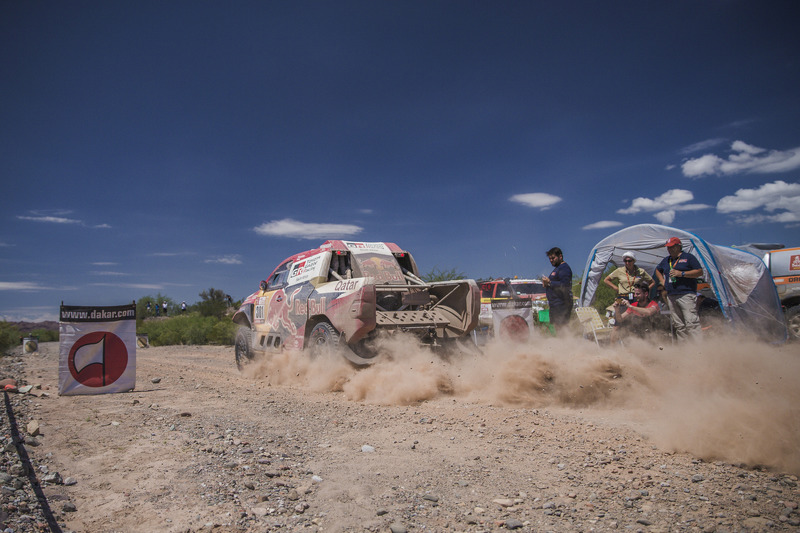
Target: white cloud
50, 219
779, 199
540, 200
665, 206
109, 273
745, 158
305, 230
702, 145
226, 260
20, 286
602, 224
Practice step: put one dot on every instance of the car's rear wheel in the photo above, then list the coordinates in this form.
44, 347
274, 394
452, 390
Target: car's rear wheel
323, 339
242, 348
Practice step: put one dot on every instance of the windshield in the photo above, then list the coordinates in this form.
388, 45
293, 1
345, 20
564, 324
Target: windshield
528, 289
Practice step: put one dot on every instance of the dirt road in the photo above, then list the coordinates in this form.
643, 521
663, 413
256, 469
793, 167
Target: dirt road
553, 436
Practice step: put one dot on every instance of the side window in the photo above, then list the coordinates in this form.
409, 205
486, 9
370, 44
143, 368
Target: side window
278, 279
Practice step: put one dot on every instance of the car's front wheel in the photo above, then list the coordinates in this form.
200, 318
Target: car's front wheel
242, 348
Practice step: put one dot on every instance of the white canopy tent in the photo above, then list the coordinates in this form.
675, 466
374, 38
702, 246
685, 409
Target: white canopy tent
739, 280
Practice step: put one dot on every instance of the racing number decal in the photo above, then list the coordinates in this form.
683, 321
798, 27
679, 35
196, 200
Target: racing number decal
259, 311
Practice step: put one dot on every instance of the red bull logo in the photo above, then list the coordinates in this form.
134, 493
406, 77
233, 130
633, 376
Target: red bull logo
278, 315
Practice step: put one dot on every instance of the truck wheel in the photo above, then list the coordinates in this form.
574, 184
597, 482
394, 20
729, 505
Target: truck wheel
793, 322
323, 339
242, 348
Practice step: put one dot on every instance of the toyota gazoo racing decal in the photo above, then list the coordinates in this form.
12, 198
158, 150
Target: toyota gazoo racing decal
305, 269
368, 247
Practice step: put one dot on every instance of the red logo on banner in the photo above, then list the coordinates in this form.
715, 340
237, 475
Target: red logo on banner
98, 359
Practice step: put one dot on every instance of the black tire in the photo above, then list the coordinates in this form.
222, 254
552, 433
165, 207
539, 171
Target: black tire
793, 323
323, 339
242, 348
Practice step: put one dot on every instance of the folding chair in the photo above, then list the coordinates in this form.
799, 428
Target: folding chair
592, 324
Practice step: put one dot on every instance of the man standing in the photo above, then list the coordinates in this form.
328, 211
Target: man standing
558, 286
677, 276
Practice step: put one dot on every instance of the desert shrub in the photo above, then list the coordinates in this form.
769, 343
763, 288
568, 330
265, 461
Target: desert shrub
188, 329
9, 336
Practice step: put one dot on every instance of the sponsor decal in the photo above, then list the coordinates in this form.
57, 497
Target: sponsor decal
361, 247
347, 285
305, 270
794, 262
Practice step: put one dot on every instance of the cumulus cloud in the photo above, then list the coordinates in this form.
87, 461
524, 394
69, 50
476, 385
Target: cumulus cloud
540, 200
779, 199
305, 230
744, 158
602, 224
665, 206
226, 260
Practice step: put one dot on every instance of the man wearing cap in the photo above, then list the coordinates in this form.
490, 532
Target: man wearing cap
677, 276
626, 276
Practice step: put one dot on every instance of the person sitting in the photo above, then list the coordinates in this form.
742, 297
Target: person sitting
636, 317
626, 276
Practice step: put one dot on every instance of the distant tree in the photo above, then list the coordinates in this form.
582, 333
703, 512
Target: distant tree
213, 302
437, 274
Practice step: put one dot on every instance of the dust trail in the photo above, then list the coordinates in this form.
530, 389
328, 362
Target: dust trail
732, 399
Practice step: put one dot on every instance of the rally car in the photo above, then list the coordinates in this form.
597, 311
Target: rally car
341, 295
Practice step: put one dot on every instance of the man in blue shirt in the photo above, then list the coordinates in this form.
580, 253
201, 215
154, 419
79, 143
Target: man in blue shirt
677, 276
558, 287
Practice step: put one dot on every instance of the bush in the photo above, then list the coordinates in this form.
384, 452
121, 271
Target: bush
9, 336
188, 329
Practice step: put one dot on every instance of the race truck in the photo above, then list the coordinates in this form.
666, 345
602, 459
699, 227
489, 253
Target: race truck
341, 295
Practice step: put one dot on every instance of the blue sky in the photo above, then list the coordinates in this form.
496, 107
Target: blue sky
169, 147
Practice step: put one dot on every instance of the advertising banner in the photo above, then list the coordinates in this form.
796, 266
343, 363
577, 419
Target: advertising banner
97, 349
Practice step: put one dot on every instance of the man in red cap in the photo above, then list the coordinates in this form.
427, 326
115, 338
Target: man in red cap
677, 276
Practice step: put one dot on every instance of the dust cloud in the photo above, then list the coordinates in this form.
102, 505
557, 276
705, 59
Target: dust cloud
725, 398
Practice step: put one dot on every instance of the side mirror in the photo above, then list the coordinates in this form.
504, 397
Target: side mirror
263, 285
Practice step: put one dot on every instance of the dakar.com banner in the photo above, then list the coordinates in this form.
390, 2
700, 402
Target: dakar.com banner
97, 349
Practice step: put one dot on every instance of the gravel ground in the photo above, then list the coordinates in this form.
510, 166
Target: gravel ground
560, 437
